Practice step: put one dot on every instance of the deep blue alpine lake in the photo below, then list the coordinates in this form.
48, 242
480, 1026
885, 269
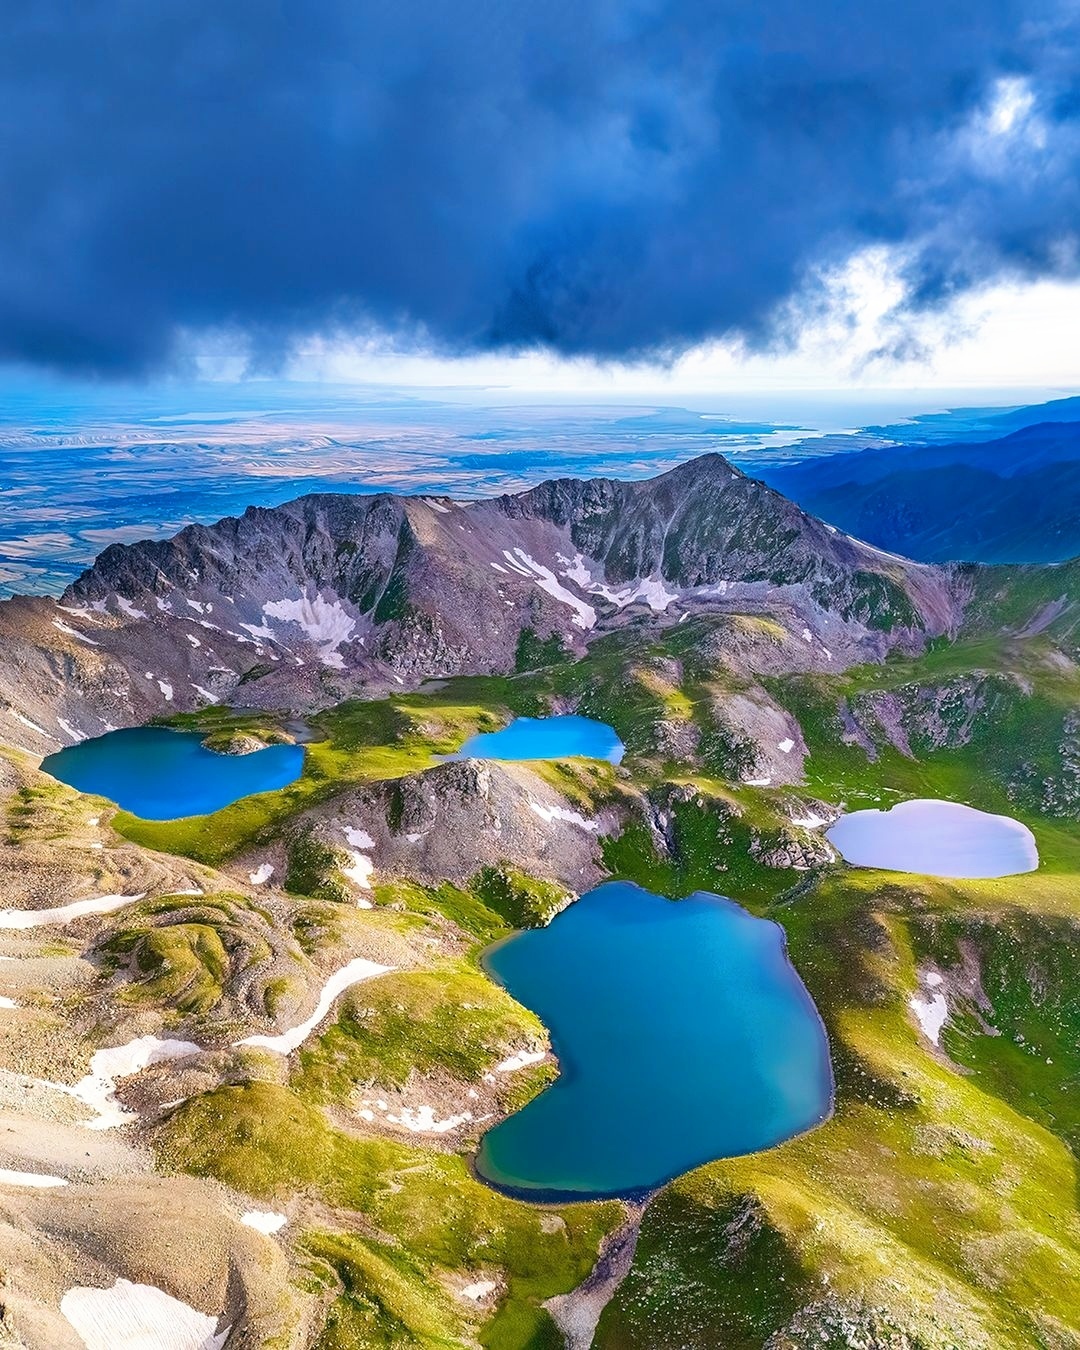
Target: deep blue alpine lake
162, 775
683, 1033
546, 738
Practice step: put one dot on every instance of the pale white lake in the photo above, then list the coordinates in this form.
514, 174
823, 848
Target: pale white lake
937, 838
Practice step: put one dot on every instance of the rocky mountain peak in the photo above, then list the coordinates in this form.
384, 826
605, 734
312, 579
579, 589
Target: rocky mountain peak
301, 604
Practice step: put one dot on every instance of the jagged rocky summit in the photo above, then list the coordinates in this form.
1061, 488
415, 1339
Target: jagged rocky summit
303, 604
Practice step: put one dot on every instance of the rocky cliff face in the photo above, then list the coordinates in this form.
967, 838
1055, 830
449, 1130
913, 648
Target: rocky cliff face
302, 604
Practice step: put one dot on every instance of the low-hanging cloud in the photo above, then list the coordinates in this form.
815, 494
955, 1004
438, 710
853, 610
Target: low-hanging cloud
611, 179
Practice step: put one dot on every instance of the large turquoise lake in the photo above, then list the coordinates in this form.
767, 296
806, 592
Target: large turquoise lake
163, 775
683, 1033
546, 738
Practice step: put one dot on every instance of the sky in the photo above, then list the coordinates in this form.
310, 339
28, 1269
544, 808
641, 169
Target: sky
580, 195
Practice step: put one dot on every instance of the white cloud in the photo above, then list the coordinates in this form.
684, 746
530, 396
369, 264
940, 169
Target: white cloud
1012, 334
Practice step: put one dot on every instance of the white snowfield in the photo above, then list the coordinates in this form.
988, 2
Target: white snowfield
73, 632
520, 1060
354, 973
26, 722
97, 1089
72, 731
139, 1317
129, 609
359, 873
423, 1120
36, 918
36, 1179
550, 813
265, 1221
361, 867
650, 589
479, 1290
520, 562
812, 821
936, 838
325, 622
931, 1013
262, 874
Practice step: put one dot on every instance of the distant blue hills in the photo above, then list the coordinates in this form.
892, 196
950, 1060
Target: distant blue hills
1008, 497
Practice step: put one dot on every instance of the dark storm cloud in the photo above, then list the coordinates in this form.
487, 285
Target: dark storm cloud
604, 178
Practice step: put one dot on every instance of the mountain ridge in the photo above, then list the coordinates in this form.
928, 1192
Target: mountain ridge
303, 604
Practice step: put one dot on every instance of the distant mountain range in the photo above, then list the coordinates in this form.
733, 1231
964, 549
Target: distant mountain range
1012, 498
302, 605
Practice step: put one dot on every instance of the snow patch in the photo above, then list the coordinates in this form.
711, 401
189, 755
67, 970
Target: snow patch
785, 746
258, 631
480, 1289
97, 1089
550, 813
650, 589
264, 1221
37, 1179
129, 609
72, 632
73, 732
545, 578
931, 1014
423, 1120
262, 874
210, 698
19, 717
139, 1317
359, 873
6, 1002
360, 869
520, 1060
37, 918
324, 621
354, 973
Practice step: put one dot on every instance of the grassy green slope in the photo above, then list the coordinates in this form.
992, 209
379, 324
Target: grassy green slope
938, 1206
939, 1202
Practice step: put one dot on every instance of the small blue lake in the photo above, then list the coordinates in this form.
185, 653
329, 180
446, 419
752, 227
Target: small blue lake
546, 738
683, 1033
161, 775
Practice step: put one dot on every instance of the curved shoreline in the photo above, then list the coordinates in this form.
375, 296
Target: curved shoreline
640, 1194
